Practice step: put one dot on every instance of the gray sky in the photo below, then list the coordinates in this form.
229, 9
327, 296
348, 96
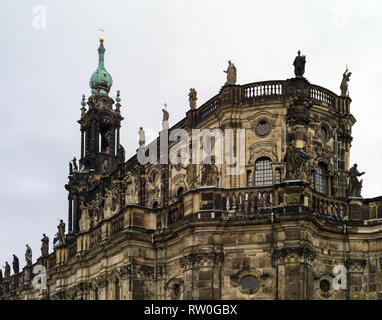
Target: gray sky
155, 51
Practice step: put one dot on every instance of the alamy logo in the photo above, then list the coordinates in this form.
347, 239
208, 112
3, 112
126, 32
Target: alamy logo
340, 281
39, 21
39, 281
207, 146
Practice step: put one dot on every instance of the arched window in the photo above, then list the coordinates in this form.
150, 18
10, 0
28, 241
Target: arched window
263, 172
321, 179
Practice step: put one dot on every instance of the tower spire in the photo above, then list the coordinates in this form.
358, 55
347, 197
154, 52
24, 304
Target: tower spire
101, 81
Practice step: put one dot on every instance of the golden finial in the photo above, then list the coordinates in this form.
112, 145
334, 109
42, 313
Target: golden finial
101, 36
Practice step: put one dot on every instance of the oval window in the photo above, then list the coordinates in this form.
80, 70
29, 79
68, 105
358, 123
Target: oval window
250, 283
263, 128
324, 286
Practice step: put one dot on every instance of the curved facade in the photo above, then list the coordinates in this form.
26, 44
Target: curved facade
279, 227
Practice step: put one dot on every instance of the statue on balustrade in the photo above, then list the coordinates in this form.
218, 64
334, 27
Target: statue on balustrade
191, 174
209, 174
192, 98
15, 264
44, 245
299, 65
130, 188
142, 138
355, 185
297, 161
28, 255
121, 154
1, 276
74, 161
231, 73
60, 235
166, 115
344, 83
7, 271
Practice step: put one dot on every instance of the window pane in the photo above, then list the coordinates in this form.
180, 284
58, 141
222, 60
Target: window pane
321, 179
263, 172
249, 178
278, 176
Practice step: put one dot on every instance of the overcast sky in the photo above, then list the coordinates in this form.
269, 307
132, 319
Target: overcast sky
155, 51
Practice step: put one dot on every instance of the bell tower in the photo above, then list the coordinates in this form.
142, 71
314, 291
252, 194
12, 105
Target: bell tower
100, 123
101, 152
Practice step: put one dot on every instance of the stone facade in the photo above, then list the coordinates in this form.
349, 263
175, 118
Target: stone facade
274, 231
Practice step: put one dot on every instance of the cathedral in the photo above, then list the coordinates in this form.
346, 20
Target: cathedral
251, 196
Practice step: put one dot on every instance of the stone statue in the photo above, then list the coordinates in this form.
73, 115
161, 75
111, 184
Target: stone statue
1, 276
15, 264
28, 255
192, 175
74, 161
192, 97
231, 73
70, 168
299, 65
130, 188
83, 111
165, 124
45, 245
7, 272
344, 83
142, 138
121, 154
297, 164
355, 186
209, 175
61, 232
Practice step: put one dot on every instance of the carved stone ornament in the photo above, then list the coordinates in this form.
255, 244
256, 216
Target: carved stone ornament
293, 255
202, 259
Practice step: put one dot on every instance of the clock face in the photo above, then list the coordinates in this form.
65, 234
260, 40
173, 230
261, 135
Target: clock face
263, 128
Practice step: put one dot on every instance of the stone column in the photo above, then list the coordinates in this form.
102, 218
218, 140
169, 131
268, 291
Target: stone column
294, 273
70, 214
202, 272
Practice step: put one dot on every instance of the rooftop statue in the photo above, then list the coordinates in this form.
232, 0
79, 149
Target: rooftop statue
355, 186
1, 276
142, 138
44, 245
231, 73
344, 83
74, 161
28, 255
15, 264
165, 124
299, 65
192, 98
7, 272
60, 235
121, 154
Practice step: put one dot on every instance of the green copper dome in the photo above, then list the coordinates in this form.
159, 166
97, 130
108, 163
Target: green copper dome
101, 80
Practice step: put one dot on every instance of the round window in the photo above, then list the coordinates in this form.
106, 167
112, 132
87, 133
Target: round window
324, 286
250, 283
324, 133
263, 128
